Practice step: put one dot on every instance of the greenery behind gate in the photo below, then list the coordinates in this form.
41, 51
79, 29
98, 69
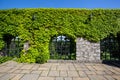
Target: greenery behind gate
91, 24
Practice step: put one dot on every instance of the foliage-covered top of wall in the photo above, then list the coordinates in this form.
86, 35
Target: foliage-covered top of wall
94, 24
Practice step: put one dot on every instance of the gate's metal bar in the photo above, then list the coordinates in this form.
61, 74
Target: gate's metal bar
62, 46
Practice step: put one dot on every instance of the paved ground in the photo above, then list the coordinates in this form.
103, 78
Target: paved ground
58, 71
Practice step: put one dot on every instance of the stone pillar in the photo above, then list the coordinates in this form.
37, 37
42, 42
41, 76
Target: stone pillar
26, 46
87, 51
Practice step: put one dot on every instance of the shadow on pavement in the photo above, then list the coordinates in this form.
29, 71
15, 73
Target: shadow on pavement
112, 63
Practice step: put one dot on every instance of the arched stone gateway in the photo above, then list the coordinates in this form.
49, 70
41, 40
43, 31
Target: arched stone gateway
62, 47
12, 47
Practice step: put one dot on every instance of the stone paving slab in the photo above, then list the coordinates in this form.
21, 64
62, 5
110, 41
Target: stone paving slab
35, 67
82, 74
17, 77
96, 77
73, 73
46, 78
59, 78
27, 66
36, 72
53, 73
78, 78
30, 77
58, 71
44, 73
63, 74
68, 78
7, 76
109, 77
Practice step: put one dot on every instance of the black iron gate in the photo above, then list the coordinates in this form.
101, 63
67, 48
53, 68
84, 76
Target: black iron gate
62, 47
13, 48
110, 49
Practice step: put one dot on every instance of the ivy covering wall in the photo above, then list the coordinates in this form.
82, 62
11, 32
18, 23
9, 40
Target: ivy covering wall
93, 25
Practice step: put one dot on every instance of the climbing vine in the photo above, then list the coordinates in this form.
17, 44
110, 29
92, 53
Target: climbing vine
93, 25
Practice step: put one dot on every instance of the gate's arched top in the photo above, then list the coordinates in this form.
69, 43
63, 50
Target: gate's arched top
62, 47
61, 38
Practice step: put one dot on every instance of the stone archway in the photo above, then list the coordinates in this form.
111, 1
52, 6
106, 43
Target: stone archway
12, 45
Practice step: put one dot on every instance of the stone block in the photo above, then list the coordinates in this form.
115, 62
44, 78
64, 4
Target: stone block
87, 51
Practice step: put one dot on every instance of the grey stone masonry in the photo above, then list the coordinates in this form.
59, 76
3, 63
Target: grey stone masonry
87, 51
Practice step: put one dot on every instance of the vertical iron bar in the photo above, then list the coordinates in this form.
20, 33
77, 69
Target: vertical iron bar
61, 46
14, 49
110, 47
6, 54
115, 52
119, 51
71, 43
55, 53
101, 55
106, 50
18, 47
65, 48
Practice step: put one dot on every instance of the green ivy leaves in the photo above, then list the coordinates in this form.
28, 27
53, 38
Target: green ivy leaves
51, 22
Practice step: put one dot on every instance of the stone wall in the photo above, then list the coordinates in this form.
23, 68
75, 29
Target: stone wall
87, 51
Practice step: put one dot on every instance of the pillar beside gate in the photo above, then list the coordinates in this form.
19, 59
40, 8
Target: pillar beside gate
87, 51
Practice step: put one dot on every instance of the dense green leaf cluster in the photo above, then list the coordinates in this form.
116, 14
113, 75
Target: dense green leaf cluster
93, 25
4, 59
